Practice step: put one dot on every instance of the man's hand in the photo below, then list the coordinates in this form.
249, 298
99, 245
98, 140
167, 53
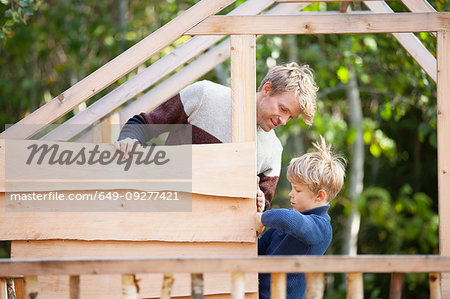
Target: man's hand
260, 198
259, 225
126, 145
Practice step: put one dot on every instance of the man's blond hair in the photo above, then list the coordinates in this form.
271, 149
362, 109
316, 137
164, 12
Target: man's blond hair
319, 170
291, 76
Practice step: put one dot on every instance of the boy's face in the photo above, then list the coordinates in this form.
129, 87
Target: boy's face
303, 199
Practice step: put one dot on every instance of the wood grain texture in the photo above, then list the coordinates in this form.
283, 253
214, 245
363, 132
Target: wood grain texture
324, 24
222, 219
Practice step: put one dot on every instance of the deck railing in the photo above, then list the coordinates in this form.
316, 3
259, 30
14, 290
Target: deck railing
313, 266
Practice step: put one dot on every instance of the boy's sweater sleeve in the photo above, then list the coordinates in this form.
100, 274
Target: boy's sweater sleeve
309, 229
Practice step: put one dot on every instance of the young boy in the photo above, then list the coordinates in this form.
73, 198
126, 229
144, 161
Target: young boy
316, 178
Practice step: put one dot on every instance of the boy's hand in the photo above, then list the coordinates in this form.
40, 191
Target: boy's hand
259, 225
260, 198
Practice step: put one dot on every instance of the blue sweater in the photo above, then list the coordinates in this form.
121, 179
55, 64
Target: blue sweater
293, 233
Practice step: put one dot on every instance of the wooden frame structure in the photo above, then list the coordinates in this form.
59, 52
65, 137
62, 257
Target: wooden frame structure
243, 25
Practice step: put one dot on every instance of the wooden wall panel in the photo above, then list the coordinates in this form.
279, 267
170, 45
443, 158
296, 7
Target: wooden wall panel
108, 286
223, 219
210, 165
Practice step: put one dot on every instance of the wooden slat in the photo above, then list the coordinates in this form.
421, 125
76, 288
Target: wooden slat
297, 1
435, 285
419, 6
395, 291
355, 287
315, 285
443, 140
146, 78
410, 42
278, 285
166, 290
201, 224
92, 286
31, 287
324, 24
74, 287
238, 285
291, 264
116, 68
207, 171
3, 288
129, 290
192, 72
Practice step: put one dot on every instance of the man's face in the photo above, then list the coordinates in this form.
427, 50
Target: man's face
277, 109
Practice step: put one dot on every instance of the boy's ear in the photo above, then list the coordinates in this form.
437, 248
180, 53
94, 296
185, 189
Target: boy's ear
321, 195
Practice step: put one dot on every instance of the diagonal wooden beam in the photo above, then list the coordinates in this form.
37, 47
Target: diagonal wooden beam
418, 6
409, 41
115, 69
152, 74
325, 24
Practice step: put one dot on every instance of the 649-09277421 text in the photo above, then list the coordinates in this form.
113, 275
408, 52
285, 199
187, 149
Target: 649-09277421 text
97, 195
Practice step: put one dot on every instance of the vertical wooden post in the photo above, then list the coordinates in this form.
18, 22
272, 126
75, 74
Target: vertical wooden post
238, 285
243, 88
3, 288
435, 285
396, 285
315, 285
129, 288
197, 285
355, 286
74, 286
31, 287
278, 285
443, 140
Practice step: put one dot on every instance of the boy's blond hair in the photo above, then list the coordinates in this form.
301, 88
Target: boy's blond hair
319, 170
291, 76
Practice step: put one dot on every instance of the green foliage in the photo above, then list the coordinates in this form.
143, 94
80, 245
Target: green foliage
15, 12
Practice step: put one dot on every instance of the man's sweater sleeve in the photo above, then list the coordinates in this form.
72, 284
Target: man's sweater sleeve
309, 229
140, 126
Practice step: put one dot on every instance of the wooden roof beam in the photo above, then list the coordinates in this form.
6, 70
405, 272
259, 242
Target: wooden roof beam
326, 24
410, 42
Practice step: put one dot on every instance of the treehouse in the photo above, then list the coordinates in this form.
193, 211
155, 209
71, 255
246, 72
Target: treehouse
209, 247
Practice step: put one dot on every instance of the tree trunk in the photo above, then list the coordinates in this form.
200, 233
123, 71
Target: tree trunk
356, 165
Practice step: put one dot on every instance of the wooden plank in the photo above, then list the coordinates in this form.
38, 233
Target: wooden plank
115, 69
410, 42
166, 290
129, 289
3, 288
278, 285
93, 286
291, 264
315, 285
312, 1
418, 6
31, 287
206, 172
74, 287
152, 74
435, 285
395, 291
243, 88
443, 140
324, 24
234, 220
238, 285
355, 287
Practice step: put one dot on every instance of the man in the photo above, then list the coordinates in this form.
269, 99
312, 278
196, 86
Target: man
286, 92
